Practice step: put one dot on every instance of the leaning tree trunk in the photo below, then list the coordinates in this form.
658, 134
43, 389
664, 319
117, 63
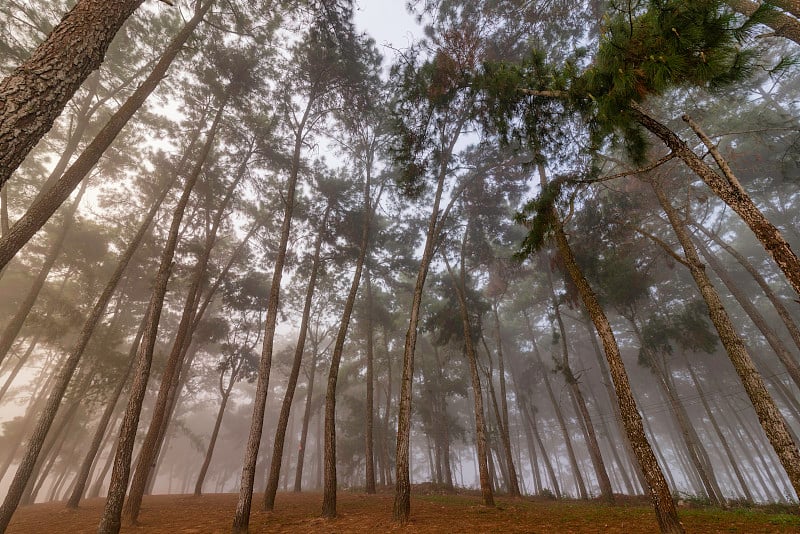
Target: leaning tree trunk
291, 385
587, 427
14, 326
35, 93
727, 188
241, 517
750, 309
477, 395
780, 308
513, 483
329, 484
402, 497
42, 209
768, 414
67, 370
783, 25
301, 452
226, 393
111, 519
170, 375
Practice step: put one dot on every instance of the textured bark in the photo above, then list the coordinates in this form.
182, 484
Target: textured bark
730, 191
241, 517
111, 519
15, 325
329, 483
294, 373
175, 360
35, 93
301, 453
469, 349
768, 414
784, 314
582, 412
660, 496
783, 25
41, 210
402, 498
91, 455
513, 483
369, 445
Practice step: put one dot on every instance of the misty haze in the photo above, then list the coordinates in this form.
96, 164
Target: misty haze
386, 266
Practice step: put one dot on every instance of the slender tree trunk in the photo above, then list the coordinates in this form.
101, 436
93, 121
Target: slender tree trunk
329, 487
111, 519
728, 188
198, 487
21, 361
768, 414
784, 314
301, 450
83, 474
291, 385
41, 210
67, 370
241, 517
444, 425
749, 308
35, 93
660, 496
402, 499
14, 326
170, 375
513, 483
477, 395
369, 455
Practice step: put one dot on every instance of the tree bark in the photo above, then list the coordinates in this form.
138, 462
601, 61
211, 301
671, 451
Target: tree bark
329, 484
768, 414
241, 518
369, 455
660, 496
782, 24
170, 375
111, 520
41, 210
291, 385
35, 93
729, 190
301, 452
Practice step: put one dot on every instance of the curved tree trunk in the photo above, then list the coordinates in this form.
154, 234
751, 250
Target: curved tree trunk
170, 375
226, 393
42, 209
730, 191
329, 484
768, 414
291, 385
111, 520
35, 93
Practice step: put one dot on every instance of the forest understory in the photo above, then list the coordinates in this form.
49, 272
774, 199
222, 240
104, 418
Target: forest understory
433, 513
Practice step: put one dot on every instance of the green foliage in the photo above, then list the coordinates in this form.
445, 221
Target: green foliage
538, 215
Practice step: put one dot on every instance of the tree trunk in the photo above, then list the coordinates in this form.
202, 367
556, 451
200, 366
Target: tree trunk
402, 498
111, 519
15, 325
329, 484
369, 455
198, 487
513, 483
41, 210
728, 189
291, 385
21, 361
782, 24
83, 475
784, 314
35, 93
660, 496
477, 395
241, 517
768, 414
301, 450
170, 375
749, 308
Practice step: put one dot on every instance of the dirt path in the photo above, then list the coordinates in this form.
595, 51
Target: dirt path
361, 513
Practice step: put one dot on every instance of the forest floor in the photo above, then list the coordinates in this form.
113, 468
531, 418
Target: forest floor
431, 513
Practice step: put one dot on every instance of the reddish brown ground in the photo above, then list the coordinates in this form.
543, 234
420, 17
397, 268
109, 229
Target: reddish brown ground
361, 513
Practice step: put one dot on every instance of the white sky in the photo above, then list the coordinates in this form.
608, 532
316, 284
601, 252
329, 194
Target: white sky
388, 22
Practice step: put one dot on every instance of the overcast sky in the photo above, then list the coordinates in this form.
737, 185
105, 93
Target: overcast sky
388, 22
